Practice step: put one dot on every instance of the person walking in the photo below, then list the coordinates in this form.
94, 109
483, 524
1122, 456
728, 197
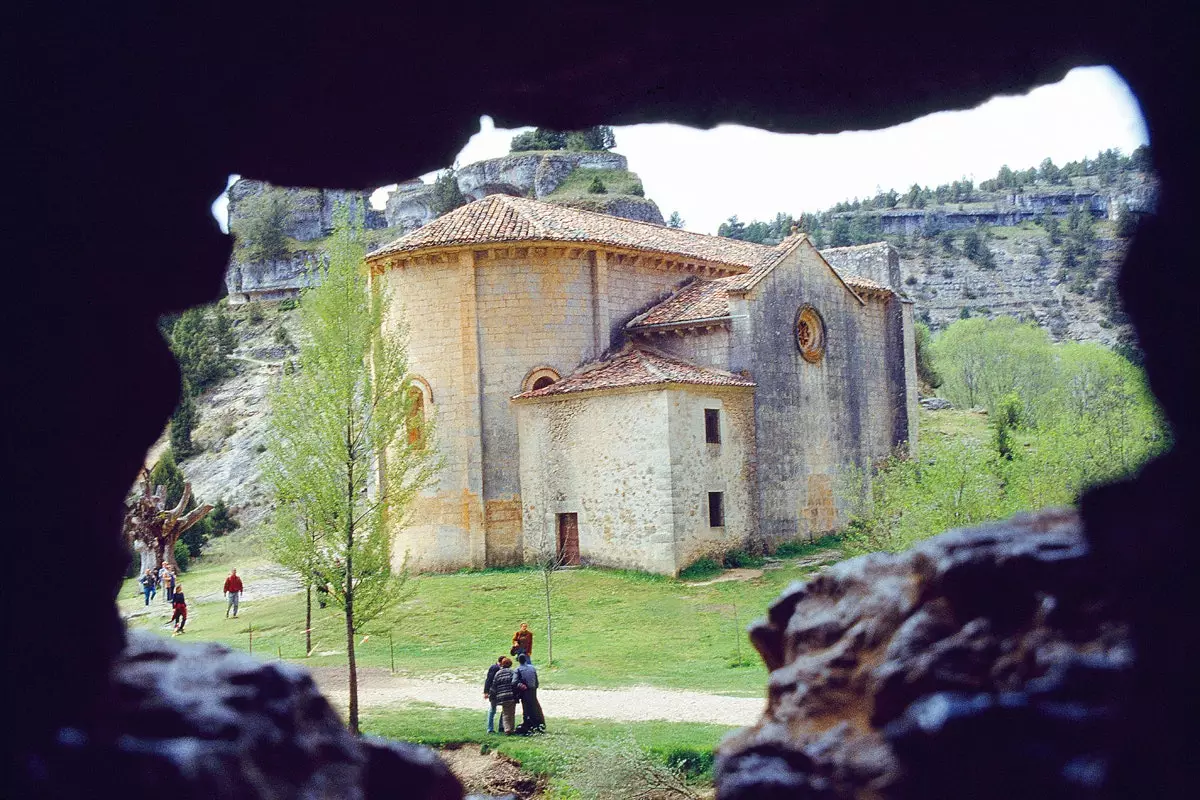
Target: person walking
487, 695
523, 641
531, 710
168, 581
179, 604
504, 694
233, 590
149, 585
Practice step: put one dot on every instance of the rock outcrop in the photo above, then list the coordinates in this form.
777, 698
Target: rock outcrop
410, 206
203, 721
624, 206
531, 174
931, 673
309, 219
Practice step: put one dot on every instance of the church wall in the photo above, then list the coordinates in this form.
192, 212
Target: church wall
533, 311
631, 289
698, 467
437, 301
812, 420
605, 457
707, 348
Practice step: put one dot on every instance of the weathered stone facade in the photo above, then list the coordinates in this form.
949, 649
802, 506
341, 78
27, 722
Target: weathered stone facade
506, 291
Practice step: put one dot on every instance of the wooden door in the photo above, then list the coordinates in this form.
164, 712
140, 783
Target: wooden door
568, 539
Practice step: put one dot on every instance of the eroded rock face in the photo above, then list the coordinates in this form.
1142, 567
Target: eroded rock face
985, 662
202, 721
521, 173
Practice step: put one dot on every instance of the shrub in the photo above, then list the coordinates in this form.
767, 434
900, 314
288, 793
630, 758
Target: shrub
739, 558
911, 280
597, 186
183, 555
947, 241
255, 314
638, 190
259, 223
446, 194
700, 569
288, 304
947, 272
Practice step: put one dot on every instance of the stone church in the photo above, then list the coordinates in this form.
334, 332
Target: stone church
631, 395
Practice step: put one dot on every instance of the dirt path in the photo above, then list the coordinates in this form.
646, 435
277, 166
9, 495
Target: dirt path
261, 582
378, 688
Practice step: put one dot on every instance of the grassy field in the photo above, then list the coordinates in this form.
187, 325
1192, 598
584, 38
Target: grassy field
576, 185
549, 754
611, 628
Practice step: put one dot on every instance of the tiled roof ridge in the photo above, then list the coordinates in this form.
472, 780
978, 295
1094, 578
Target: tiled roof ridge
624, 221
541, 220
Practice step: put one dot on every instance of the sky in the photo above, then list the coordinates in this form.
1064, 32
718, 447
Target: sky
709, 175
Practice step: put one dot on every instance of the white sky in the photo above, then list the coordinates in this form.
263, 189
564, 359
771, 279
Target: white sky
707, 175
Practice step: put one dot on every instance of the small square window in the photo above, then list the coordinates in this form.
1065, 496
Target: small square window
712, 425
716, 509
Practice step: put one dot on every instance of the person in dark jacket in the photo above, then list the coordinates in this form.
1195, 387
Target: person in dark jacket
531, 710
149, 583
179, 604
487, 692
504, 694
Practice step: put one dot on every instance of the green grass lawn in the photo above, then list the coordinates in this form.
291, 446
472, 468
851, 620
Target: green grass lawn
549, 754
611, 628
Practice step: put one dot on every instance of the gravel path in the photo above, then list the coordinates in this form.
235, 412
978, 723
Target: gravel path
377, 687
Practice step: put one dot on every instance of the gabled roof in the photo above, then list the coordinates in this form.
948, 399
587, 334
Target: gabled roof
705, 301
637, 365
502, 218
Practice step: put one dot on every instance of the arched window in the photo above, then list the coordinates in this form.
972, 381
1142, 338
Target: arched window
416, 414
418, 395
539, 378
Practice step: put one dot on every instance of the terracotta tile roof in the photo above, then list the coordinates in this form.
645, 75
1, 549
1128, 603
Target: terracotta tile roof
858, 283
502, 218
697, 300
768, 262
636, 365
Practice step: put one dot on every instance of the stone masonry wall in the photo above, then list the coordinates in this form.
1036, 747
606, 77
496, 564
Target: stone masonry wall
708, 348
533, 311
812, 420
606, 458
437, 301
698, 467
631, 289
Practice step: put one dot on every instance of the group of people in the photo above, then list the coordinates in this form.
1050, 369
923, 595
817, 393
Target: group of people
505, 686
164, 579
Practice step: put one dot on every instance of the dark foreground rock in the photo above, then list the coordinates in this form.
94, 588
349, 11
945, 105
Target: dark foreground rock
202, 721
984, 663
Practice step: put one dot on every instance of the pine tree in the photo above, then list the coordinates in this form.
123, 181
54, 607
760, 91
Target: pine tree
183, 420
341, 470
675, 221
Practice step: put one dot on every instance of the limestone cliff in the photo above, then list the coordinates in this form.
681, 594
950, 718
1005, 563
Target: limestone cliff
537, 172
560, 176
309, 219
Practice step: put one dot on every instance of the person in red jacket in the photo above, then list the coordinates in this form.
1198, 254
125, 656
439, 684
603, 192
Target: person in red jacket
233, 590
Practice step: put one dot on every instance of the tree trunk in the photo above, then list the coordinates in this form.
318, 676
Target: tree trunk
308, 619
549, 623
353, 710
